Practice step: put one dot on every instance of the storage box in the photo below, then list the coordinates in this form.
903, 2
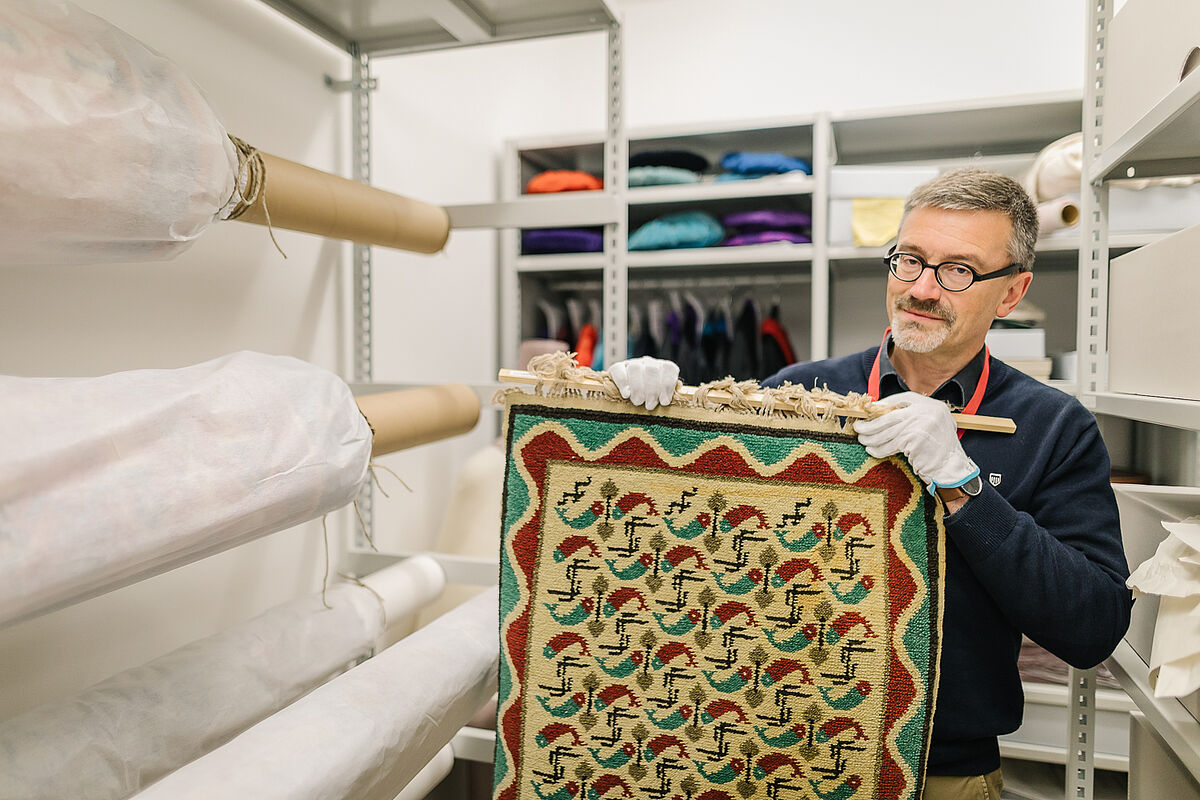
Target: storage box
1013, 343
1154, 208
1152, 318
1147, 44
1143, 509
847, 183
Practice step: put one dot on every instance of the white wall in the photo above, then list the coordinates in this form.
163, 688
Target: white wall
440, 121
230, 291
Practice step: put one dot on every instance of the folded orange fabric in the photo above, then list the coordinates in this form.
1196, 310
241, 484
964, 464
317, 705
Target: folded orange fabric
563, 180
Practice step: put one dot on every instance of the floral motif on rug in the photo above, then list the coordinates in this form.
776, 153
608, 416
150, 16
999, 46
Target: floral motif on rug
704, 605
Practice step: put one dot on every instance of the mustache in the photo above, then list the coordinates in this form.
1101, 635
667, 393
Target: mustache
930, 307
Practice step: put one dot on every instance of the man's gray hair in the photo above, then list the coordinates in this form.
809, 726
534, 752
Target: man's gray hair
974, 189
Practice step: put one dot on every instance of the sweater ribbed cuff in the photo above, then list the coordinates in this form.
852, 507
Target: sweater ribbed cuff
982, 524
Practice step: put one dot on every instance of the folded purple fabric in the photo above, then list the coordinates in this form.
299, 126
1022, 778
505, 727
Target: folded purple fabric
762, 237
561, 240
767, 219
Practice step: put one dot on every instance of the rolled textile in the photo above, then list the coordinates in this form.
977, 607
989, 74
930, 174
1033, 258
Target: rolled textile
411, 417
112, 153
105, 481
1056, 170
1057, 214
366, 733
128, 731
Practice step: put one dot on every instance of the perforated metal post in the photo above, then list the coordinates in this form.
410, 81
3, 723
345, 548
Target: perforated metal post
1081, 735
822, 158
616, 159
1093, 249
363, 367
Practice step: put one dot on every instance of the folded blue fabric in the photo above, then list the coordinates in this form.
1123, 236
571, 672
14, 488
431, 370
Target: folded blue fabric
661, 176
684, 229
763, 163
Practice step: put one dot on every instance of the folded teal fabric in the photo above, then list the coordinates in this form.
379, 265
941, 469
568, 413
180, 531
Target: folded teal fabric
684, 229
661, 176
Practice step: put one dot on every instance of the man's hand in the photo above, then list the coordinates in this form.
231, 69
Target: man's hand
922, 429
646, 381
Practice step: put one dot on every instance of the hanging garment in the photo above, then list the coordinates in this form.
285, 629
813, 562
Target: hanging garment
585, 347
745, 355
563, 180
777, 351
715, 344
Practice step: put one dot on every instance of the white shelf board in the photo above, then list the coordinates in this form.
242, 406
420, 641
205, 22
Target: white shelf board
460, 570
561, 262
998, 126
475, 744
383, 28
1143, 408
1027, 751
1053, 694
1163, 142
561, 210
770, 253
1166, 715
721, 190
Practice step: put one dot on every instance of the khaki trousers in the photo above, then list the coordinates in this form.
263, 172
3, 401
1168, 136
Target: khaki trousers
975, 787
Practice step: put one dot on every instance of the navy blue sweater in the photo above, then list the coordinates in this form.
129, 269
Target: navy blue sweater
1038, 552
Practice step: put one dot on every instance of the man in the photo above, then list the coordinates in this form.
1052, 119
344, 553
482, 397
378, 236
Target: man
1034, 542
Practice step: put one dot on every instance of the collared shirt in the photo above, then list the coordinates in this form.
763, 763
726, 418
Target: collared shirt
955, 391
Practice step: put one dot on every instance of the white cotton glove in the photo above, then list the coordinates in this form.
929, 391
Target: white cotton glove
646, 381
922, 429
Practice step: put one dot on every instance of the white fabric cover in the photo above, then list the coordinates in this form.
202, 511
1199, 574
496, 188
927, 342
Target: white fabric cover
366, 733
110, 152
126, 732
1173, 573
106, 481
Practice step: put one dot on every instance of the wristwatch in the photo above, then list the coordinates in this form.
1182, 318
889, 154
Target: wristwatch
969, 489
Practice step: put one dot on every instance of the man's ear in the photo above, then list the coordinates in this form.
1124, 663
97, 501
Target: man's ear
1017, 288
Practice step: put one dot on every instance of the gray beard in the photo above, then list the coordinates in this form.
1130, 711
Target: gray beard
915, 340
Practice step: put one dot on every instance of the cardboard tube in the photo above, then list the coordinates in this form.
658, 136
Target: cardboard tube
410, 417
1057, 214
300, 198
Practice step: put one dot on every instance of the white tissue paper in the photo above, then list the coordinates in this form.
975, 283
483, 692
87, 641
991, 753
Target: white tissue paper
106, 481
366, 733
126, 732
1173, 573
110, 152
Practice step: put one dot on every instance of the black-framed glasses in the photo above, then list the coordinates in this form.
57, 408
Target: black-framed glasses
952, 276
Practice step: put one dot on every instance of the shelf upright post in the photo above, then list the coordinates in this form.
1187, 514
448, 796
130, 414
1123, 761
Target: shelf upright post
616, 159
363, 359
822, 160
1091, 334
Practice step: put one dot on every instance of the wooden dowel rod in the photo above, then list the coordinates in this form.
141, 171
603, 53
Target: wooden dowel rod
409, 417
970, 422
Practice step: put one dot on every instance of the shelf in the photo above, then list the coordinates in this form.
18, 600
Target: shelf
780, 253
389, 28
1166, 715
564, 262
460, 570
1021, 124
561, 210
475, 744
1143, 408
782, 186
1046, 754
1163, 142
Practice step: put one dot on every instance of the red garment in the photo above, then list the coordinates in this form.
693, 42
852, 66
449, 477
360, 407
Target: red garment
563, 180
772, 328
585, 348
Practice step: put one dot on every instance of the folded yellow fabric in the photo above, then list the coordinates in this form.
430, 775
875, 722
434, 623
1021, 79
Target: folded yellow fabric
875, 221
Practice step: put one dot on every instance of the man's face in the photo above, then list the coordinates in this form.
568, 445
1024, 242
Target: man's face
928, 319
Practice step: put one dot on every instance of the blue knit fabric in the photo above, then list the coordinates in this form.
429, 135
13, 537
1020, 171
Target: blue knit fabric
661, 176
684, 229
763, 163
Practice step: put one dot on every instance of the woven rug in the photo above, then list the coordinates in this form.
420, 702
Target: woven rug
711, 605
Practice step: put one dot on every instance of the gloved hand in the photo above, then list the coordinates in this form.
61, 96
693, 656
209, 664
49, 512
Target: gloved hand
922, 429
646, 381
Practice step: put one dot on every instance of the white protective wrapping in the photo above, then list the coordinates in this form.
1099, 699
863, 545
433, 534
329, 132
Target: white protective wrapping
110, 152
1173, 573
106, 481
126, 732
366, 733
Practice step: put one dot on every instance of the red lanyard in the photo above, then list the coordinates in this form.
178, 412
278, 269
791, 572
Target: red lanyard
976, 397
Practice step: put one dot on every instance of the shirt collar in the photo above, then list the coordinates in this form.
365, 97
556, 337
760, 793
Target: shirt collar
955, 391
